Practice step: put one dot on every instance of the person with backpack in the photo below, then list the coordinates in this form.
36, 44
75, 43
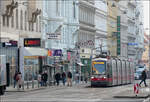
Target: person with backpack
69, 80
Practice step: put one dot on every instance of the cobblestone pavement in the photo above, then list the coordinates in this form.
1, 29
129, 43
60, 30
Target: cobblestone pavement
77, 93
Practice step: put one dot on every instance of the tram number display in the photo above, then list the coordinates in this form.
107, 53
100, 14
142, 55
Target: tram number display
98, 63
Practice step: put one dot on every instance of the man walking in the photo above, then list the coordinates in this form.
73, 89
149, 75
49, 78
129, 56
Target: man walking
143, 77
69, 81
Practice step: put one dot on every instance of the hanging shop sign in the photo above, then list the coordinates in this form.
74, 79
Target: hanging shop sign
32, 42
53, 35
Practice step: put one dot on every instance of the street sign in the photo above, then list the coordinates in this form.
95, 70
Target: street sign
133, 44
53, 35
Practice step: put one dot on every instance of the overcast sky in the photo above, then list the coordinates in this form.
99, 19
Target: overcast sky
146, 14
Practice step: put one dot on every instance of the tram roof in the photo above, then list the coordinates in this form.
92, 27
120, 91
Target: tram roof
105, 59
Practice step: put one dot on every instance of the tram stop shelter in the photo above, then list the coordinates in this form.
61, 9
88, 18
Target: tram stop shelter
50, 68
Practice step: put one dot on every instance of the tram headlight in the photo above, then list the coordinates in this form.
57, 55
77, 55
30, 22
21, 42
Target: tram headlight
104, 77
92, 77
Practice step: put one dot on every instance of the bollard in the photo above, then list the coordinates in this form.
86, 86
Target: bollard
136, 89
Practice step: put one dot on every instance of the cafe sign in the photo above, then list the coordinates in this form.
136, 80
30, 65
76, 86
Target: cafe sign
32, 42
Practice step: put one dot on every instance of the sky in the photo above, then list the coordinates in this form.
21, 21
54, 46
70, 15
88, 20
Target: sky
146, 4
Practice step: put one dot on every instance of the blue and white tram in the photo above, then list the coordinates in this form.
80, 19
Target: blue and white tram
111, 72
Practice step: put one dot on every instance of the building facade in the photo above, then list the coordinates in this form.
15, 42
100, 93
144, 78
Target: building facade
112, 11
18, 20
101, 26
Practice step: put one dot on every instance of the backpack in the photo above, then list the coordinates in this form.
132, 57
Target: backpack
17, 78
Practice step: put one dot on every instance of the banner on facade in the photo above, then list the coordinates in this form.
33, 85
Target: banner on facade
50, 53
53, 36
69, 56
57, 52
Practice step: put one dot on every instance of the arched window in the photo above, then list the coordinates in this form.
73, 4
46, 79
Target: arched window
21, 20
16, 18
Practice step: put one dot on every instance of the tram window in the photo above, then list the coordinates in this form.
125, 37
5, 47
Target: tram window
99, 69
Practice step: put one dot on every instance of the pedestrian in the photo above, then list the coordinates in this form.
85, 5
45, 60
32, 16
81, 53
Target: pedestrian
69, 80
63, 78
45, 77
57, 78
77, 77
19, 77
39, 79
15, 79
42, 79
86, 76
143, 78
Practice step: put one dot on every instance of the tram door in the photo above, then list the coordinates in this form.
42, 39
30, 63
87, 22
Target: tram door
119, 72
114, 72
128, 72
123, 72
132, 72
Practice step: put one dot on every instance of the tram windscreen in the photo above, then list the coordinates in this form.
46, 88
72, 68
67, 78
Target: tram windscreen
99, 67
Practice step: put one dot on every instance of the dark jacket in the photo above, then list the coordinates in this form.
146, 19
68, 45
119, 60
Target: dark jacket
69, 75
144, 75
57, 76
44, 77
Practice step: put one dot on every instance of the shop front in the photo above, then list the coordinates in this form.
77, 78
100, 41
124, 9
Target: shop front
10, 49
34, 60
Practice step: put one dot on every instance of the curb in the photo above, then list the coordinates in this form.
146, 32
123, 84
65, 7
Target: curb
146, 96
26, 90
147, 100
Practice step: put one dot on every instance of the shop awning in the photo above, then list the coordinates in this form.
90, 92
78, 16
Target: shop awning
30, 51
80, 64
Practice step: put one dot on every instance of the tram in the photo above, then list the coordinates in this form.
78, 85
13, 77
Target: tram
111, 72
